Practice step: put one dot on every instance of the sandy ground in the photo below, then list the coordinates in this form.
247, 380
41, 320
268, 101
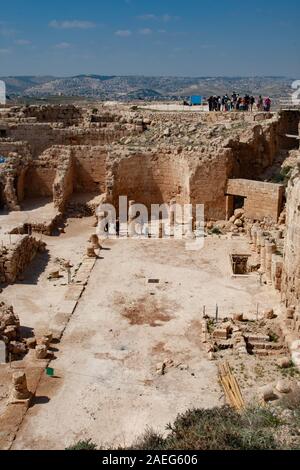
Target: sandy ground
106, 386
175, 107
36, 299
160, 106
40, 210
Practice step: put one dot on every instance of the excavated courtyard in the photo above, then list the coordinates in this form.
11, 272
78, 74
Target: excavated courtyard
123, 328
133, 333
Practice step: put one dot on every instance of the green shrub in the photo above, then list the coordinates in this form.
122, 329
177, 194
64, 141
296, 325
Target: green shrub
216, 429
256, 428
150, 440
211, 325
83, 445
273, 337
216, 231
284, 175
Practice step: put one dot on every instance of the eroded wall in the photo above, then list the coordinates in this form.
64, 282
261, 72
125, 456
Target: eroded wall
291, 274
262, 200
152, 179
39, 181
208, 184
89, 169
16, 256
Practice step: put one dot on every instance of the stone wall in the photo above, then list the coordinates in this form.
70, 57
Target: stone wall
42, 136
262, 200
63, 183
288, 124
208, 184
41, 175
67, 114
291, 272
151, 158
89, 169
16, 256
255, 150
12, 178
9, 329
39, 181
152, 179
21, 148
62, 170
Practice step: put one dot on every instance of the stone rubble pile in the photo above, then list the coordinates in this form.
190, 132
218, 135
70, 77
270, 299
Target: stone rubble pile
10, 332
244, 337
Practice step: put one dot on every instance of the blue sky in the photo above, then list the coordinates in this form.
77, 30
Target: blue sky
157, 37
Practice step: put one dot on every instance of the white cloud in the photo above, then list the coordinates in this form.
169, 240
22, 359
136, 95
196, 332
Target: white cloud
62, 45
166, 18
5, 51
145, 31
22, 42
124, 33
72, 24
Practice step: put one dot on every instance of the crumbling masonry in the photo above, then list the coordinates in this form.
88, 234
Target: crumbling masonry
72, 158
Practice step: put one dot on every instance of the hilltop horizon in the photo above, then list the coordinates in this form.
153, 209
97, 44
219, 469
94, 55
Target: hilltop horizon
132, 87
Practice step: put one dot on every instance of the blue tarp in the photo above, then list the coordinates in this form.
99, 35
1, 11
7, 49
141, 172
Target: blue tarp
196, 100
2, 159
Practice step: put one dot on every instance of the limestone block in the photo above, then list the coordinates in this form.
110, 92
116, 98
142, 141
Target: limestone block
19, 390
220, 333
17, 348
267, 393
284, 362
45, 340
290, 312
269, 314
41, 351
10, 332
94, 240
238, 213
54, 275
283, 386
31, 343
90, 252
238, 317
211, 356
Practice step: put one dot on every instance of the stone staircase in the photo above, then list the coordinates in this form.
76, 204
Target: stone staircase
261, 345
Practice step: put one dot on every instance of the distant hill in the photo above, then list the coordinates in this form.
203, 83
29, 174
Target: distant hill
128, 88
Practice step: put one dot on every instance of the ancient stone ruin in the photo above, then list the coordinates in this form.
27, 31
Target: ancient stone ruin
145, 305
10, 335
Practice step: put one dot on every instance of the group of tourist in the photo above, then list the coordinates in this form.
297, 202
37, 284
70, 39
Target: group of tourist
235, 102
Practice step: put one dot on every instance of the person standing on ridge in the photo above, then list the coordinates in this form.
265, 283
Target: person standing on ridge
260, 103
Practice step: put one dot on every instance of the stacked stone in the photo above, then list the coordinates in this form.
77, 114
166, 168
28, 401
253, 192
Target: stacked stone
19, 392
238, 339
16, 256
271, 264
42, 347
10, 332
291, 271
